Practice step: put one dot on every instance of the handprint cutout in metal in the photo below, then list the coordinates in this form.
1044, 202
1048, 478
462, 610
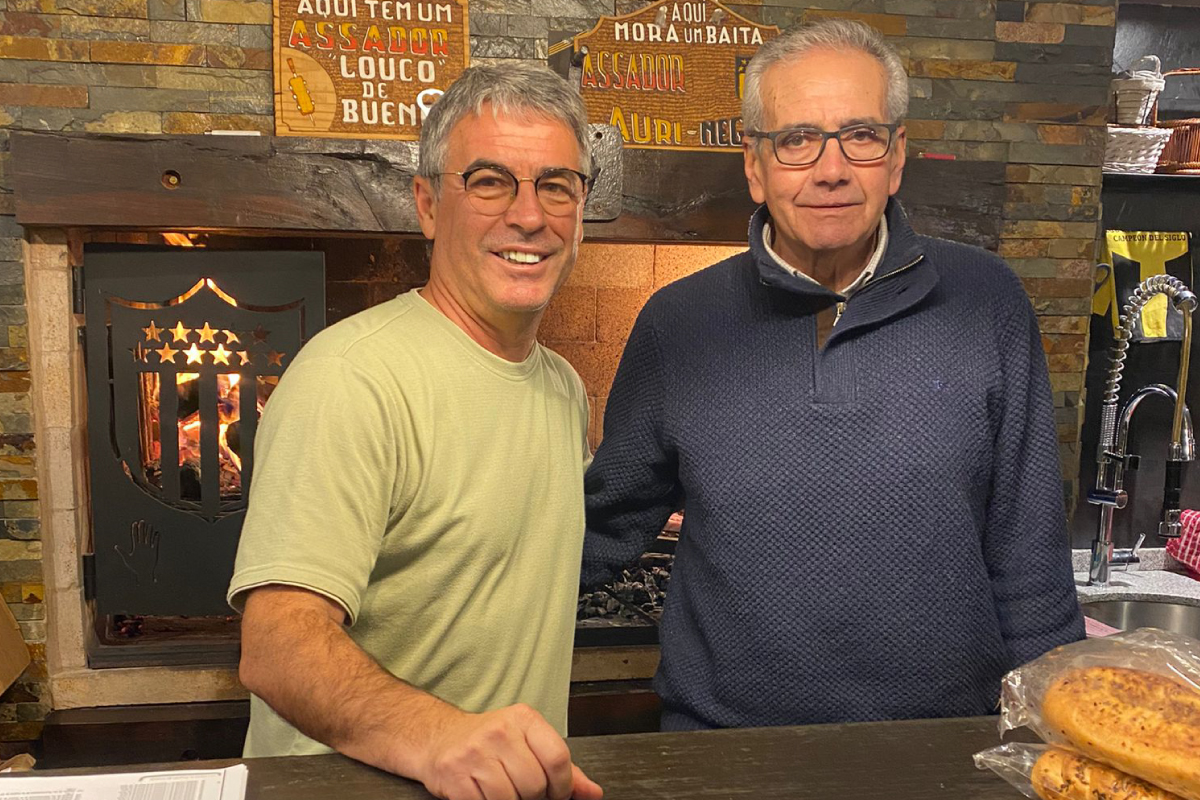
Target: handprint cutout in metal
142, 558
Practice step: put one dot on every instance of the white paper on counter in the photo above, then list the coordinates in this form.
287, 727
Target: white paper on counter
207, 784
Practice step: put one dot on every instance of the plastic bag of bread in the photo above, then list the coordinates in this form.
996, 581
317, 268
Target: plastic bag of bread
1130, 701
1051, 773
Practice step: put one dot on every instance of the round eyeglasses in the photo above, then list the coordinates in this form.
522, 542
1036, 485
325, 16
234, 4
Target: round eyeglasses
492, 189
799, 147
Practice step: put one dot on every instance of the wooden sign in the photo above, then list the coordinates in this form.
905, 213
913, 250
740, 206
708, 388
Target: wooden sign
670, 76
364, 68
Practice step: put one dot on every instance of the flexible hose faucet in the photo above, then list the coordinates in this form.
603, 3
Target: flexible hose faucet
1111, 457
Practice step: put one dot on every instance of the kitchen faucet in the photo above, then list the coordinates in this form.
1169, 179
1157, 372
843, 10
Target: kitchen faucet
1111, 457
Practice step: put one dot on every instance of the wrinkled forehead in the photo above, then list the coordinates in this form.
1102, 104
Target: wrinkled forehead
517, 138
825, 89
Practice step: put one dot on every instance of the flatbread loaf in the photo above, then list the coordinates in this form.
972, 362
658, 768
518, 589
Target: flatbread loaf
1060, 775
1145, 724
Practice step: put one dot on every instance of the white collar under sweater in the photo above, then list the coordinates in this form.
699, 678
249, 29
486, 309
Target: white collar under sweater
863, 277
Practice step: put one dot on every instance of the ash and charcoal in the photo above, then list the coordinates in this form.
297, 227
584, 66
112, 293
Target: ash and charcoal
636, 598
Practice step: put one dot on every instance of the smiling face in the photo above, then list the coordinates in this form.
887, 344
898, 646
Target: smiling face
831, 207
501, 269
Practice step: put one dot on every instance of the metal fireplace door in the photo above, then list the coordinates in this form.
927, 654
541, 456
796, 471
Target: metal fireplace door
183, 348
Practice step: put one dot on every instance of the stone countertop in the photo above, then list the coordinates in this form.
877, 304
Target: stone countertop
1158, 577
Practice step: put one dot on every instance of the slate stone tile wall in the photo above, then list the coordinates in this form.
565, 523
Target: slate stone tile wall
1018, 85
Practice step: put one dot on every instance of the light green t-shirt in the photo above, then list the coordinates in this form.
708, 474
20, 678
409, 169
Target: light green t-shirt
435, 491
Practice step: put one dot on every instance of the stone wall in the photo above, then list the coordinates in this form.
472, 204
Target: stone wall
1018, 84
132, 66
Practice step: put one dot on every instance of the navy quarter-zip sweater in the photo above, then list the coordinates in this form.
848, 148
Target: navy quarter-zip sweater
874, 526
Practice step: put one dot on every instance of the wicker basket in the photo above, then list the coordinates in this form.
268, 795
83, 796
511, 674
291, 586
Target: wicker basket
1134, 149
1134, 97
1182, 152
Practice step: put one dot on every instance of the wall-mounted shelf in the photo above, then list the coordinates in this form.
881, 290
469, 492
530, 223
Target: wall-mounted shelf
1192, 3
1140, 180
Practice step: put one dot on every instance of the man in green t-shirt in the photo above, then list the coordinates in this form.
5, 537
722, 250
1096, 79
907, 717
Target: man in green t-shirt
410, 557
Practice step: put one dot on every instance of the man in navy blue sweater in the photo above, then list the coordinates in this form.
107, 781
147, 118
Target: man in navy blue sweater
859, 422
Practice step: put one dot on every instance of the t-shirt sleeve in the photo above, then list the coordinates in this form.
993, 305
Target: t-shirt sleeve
326, 464
585, 411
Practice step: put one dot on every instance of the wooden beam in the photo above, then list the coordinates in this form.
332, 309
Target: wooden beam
236, 182
264, 183
672, 196
287, 185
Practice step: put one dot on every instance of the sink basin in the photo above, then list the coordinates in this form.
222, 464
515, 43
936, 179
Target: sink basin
1129, 614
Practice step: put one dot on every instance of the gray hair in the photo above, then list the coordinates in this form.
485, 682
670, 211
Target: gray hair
832, 34
523, 90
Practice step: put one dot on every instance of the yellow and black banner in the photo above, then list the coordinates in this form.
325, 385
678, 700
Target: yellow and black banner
1129, 258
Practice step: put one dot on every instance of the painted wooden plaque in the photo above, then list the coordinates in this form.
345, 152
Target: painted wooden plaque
669, 76
364, 69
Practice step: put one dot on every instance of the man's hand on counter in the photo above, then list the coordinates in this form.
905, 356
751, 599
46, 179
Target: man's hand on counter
505, 754
299, 659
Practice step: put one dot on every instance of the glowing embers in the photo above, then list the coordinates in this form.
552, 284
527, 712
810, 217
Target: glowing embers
188, 428
190, 355
221, 370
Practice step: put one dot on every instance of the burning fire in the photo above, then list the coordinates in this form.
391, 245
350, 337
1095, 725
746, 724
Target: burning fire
228, 414
181, 239
190, 348
189, 429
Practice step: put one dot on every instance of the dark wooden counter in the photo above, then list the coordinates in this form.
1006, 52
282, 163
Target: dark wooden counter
918, 760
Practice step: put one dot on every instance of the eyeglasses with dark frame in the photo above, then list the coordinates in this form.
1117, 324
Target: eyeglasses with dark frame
861, 142
491, 189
